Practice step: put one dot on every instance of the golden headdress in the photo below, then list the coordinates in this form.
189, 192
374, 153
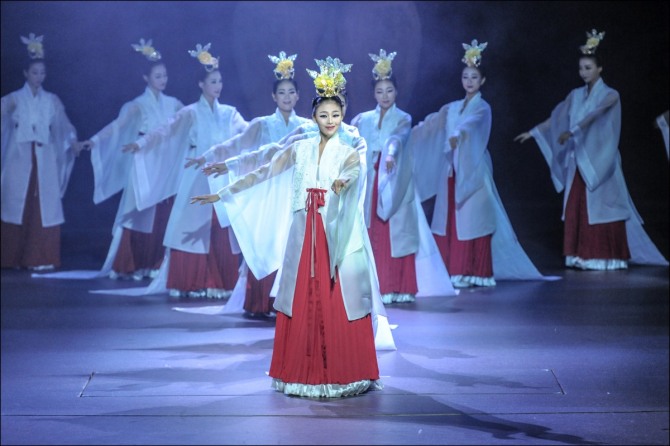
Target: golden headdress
201, 53
593, 39
284, 68
147, 50
330, 81
34, 44
382, 69
473, 53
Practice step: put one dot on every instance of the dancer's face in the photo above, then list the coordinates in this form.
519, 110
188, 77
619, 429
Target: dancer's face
157, 79
385, 94
328, 116
212, 85
472, 80
35, 74
286, 96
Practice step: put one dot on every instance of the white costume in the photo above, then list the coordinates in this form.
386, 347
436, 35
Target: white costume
479, 209
594, 119
266, 208
397, 201
40, 118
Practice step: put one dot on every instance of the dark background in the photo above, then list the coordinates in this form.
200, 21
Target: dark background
531, 64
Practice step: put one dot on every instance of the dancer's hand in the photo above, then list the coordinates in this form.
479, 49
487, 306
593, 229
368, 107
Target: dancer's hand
216, 169
523, 137
339, 185
205, 199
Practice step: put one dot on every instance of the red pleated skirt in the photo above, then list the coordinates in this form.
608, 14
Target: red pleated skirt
581, 239
216, 269
30, 244
319, 344
257, 298
463, 257
396, 274
140, 250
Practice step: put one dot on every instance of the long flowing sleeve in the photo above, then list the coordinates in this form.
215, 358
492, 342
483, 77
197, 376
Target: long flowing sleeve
258, 206
63, 136
342, 212
111, 167
546, 136
397, 188
596, 139
427, 143
158, 164
248, 140
7, 107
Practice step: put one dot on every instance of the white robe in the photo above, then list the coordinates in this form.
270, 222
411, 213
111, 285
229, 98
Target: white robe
26, 119
479, 209
266, 208
595, 121
397, 200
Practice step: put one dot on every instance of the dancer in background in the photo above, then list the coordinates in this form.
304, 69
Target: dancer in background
137, 247
261, 131
39, 146
580, 142
452, 161
202, 260
302, 210
392, 211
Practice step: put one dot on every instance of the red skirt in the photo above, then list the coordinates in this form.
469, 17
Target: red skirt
257, 298
319, 344
30, 244
396, 274
140, 250
216, 269
581, 239
463, 257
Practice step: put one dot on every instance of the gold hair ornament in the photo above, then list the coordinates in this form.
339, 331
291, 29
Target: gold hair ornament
473, 53
147, 50
284, 68
201, 53
330, 81
34, 44
382, 69
593, 39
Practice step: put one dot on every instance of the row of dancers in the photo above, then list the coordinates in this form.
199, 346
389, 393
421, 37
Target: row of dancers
312, 207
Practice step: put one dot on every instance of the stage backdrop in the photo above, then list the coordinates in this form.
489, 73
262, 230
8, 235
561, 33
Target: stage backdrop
531, 64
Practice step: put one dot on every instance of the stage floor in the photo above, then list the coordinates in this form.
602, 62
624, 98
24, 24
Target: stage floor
582, 360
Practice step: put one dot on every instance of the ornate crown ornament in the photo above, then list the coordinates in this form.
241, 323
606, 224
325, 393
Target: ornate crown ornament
330, 81
593, 39
201, 53
34, 46
382, 69
147, 50
473, 53
284, 68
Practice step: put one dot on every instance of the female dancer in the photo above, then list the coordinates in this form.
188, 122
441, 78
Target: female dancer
39, 145
309, 195
580, 142
470, 224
